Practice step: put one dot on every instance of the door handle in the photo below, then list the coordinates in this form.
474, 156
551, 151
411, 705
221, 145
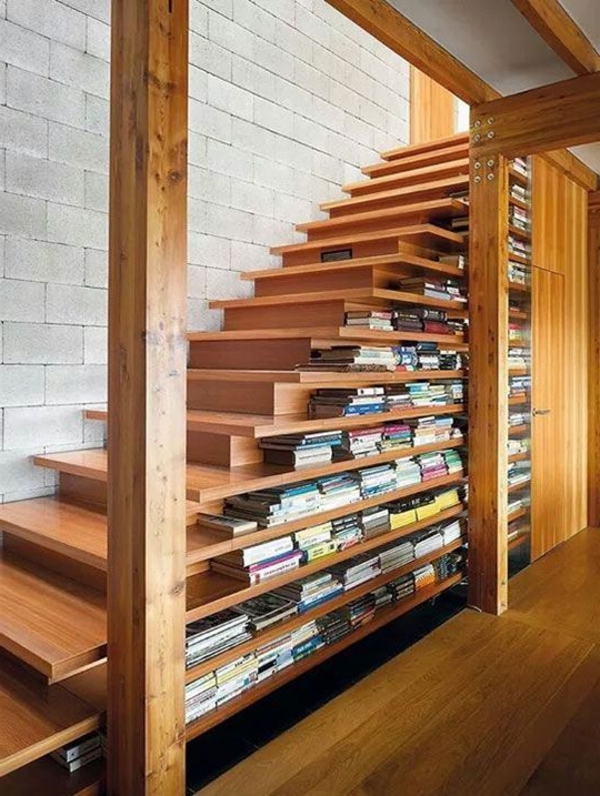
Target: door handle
537, 412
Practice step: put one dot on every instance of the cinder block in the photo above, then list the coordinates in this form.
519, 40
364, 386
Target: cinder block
210, 122
196, 215
40, 426
96, 191
76, 384
96, 268
289, 95
196, 149
77, 227
312, 26
252, 198
37, 343
210, 57
198, 17
311, 79
229, 98
271, 231
24, 48
22, 132
210, 186
228, 160
39, 261
253, 139
21, 215
77, 305
97, 115
209, 250
224, 7
228, 223
231, 37
79, 148
222, 284
252, 17
45, 98
51, 18
273, 117
19, 475
200, 318
251, 257
198, 83
99, 9
288, 37
95, 345
273, 175
98, 39
293, 153
274, 59
44, 179
21, 385
196, 286
312, 134
292, 209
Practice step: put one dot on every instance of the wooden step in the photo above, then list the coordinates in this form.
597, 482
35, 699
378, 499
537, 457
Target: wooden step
36, 719
398, 153
423, 192
327, 308
403, 179
383, 616
53, 623
88, 781
423, 237
361, 273
390, 218
76, 532
454, 152
285, 349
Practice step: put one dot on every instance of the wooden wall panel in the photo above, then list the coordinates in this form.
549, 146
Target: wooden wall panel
432, 109
560, 245
594, 355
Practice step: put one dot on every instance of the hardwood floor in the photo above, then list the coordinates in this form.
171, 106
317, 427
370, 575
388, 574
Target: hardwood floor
481, 706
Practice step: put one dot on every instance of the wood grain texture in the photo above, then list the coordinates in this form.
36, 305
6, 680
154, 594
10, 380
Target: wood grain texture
432, 109
412, 177
488, 399
561, 33
147, 363
425, 146
88, 781
594, 361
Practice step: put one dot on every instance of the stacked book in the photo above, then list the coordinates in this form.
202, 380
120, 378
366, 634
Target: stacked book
347, 531
377, 480
423, 430
229, 527
347, 402
447, 565
200, 697
360, 442
334, 626
433, 465
397, 554
234, 678
352, 358
519, 387
383, 596
408, 472
361, 611
427, 542
215, 634
518, 445
301, 450
266, 610
305, 641
260, 562
315, 542
339, 490
394, 436
454, 462
440, 288
518, 419
519, 358
451, 360
376, 320
519, 247
402, 587
520, 166
423, 319
312, 590
375, 521
519, 473
269, 507
77, 754
518, 191
459, 260
274, 656
451, 532
517, 335
406, 358
424, 576
518, 217
357, 570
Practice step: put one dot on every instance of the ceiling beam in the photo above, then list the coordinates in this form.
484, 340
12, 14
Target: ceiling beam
538, 120
398, 33
561, 33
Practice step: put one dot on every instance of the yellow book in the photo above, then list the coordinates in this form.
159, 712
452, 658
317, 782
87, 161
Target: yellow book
402, 518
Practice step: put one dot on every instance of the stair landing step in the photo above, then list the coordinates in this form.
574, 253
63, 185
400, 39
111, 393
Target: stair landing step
404, 179
329, 335
426, 146
88, 781
320, 379
36, 719
396, 196
413, 161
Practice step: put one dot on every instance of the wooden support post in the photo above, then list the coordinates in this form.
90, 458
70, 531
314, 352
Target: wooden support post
432, 109
488, 384
594, 363
147, 377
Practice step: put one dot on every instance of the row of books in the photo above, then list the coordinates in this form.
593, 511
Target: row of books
460, 224
518, 191
459, 260
518, 501
314, 448
519, 473
280, 505
407, 358
345, 402
519, 387
440, 288
405, 319
236, 677
518, 419
519, 246
519, 217
518, 445
519, 357
518, 335
518, 273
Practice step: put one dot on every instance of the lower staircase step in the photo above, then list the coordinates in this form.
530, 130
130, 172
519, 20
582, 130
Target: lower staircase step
36, 719
88, 781
49, 621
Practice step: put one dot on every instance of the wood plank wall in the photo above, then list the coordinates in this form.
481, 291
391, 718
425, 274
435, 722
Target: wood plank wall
594, 353
560, 239
432, 109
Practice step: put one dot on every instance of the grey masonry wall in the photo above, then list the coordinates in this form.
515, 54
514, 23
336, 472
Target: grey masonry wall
287, 100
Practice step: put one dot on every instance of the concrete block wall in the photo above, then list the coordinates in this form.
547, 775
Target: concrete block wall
287, 100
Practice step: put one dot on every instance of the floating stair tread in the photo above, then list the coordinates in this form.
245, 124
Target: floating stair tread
426, 146
451, 168
36, 719
57, 781
78, 532
328, 335
319, 379
421, 159
433, 210
51, 622
383, 616
428, 230
386, 261
352, 295
436, 187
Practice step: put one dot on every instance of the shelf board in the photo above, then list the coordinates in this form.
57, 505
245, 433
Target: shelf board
281, 628
524, 234
518, 457
36, 719
518, 287
516, 400
399, 153
322, 379
512, 200
88, 781
452, 168
516, 258
54, 624
518, 487
517, 541
516, 176
382, 617
386, 261
423, 159
514, 431
516, 515
210, 591
518, 315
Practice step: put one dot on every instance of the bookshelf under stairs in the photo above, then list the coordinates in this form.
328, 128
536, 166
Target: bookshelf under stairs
360, 337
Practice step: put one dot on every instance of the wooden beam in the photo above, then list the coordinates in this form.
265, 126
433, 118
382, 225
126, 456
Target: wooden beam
561, 33
147, 378
488, 385
545, 118
432, 109
594, 363
394, 30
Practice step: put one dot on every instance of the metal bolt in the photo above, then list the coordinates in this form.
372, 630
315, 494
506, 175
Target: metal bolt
477, 178
477, 164
490, 177
491, 134
477, 137
478, 123
491, 120
490, 162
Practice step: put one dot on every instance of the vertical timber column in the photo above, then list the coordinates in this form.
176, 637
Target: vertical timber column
147, 370
594, 362
488, 380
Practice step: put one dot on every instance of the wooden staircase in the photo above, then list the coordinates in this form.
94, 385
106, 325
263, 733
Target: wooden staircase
243, 386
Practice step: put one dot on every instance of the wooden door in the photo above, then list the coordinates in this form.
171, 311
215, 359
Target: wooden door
548, 405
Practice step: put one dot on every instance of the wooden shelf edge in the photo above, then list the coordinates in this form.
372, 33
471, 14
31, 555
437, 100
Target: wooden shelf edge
27, 781
386, 615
